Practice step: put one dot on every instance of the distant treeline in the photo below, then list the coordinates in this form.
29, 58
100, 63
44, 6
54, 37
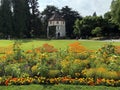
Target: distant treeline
22, 19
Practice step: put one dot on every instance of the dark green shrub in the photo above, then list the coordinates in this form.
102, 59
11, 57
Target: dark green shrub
43, 70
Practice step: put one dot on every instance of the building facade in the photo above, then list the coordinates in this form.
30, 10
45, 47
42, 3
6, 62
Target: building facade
56, 27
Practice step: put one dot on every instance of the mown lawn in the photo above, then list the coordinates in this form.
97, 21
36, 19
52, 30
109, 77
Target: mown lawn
60, 44
57, 87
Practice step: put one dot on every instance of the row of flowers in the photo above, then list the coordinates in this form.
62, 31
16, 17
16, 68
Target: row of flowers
59, 80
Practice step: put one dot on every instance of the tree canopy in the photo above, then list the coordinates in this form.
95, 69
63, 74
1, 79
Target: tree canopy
22, 19
115, 11
70, 17
92, 26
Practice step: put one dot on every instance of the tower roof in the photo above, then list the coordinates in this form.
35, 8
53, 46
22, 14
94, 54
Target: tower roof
56, 17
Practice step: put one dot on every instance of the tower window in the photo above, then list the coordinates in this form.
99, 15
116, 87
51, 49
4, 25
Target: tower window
50, 22
57, 22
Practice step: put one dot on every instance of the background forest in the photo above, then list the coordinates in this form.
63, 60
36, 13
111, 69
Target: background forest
22, 19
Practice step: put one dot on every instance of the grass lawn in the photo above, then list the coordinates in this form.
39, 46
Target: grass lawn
57, 87
63, 44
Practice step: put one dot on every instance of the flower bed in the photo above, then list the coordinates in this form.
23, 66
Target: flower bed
47, 65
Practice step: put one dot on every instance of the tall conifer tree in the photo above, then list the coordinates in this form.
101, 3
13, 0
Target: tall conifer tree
21, 18
36, 24
6, 25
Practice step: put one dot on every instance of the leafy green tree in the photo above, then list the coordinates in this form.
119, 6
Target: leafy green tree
49, 11
77, 30
97, 31
111, 28
87, 24
108, 15
34, 7
88, 27
6, 25
70, 17
115, 11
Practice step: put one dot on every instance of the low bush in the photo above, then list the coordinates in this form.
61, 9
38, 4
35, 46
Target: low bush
12, 70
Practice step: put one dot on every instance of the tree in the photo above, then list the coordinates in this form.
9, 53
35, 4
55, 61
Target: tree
34, 8
87, 24
107, 15
97, 31
1, 21
110, 26
115, 11
21, 16
94, 14
49, 11
91, 26
77, 25
70, 17
36, 24
46, 14
6, 25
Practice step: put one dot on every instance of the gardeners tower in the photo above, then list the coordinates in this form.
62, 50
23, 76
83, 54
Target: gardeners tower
56, 26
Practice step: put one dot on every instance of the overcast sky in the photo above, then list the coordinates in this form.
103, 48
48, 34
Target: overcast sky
84, 7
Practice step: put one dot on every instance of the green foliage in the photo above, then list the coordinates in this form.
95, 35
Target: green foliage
18, 18
43, 70
6, 24
24, 75
49, 11
114, 63
25, 69
97, 31
77, 28
89, 73
12, 70
70, 17
91, 26
111, 75
21, 18
100, 73
115, 11
18, 52
36, 23
2, 68
107, 15
107, 50
84, 55
54, 73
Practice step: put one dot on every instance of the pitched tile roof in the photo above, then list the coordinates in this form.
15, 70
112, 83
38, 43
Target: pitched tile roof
56, 17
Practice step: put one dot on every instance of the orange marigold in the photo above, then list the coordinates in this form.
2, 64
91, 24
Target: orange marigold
76, 48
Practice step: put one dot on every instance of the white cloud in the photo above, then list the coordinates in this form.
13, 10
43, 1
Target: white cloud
84, 7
